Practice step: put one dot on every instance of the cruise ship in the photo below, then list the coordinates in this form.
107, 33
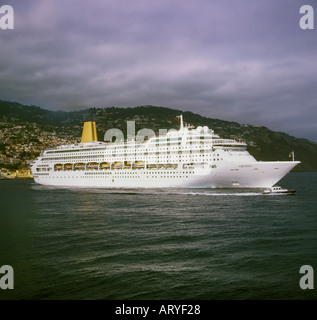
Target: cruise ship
185, 158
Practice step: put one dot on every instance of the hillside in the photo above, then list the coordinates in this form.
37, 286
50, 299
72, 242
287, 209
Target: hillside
263, 144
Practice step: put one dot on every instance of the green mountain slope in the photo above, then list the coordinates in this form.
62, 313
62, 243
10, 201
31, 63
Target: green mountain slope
263, 143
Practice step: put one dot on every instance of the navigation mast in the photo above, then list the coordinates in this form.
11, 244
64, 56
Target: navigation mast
180, 118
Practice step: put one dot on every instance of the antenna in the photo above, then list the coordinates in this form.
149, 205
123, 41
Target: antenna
180, 118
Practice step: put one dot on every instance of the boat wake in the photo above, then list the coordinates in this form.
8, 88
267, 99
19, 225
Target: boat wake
214, 192
160, 191
220, 194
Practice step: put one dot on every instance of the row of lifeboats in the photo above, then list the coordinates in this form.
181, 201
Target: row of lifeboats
96, 165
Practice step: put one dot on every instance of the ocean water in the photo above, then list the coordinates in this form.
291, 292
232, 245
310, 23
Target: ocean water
189, 244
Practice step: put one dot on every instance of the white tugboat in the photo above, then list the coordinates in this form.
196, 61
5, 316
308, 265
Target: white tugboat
278, 190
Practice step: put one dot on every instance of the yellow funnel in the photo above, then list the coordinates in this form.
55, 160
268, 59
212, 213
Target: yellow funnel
89, 132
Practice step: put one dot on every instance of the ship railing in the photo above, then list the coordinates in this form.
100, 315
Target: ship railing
228, 141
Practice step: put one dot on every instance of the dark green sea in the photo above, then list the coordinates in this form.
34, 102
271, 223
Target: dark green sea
189, 244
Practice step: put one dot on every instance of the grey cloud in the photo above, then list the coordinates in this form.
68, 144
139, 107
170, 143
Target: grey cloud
245, 62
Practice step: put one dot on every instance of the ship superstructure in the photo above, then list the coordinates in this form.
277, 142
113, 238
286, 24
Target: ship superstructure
188, 157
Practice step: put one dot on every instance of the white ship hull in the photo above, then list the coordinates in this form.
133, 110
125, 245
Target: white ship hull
249, 175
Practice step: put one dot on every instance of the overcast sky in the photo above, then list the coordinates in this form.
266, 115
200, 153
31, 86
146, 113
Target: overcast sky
238, 60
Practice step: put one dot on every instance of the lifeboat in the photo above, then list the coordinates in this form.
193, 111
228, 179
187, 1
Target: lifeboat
139, 163
93, 165
104, 165
79, 166
117, 164
68, 166
58, 166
